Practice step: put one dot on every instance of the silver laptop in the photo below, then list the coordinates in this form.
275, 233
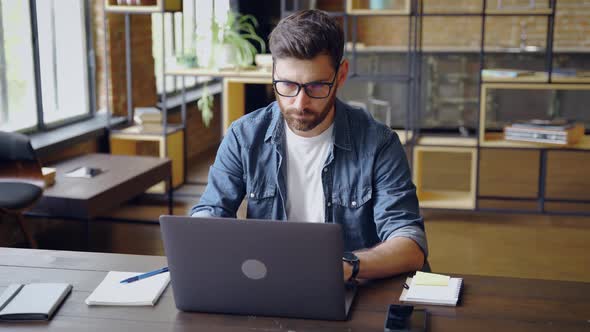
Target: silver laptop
257, 267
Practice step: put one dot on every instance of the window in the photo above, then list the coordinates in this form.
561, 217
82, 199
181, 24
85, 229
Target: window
62, 59
60, 90
18, 106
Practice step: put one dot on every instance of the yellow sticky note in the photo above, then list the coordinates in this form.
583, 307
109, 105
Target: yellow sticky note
430, 279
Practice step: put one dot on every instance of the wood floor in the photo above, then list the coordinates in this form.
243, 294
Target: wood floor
527, 246
515, 245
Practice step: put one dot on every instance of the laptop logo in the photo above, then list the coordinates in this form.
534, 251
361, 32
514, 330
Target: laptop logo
254, 269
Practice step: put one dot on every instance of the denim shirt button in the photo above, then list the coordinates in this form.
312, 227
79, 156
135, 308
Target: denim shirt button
252, 195
353, 203
329, 203
325, 169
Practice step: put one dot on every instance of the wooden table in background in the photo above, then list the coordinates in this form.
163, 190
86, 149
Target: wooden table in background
488, 303
85, 199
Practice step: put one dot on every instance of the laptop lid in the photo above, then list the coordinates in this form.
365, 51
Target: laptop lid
256, 267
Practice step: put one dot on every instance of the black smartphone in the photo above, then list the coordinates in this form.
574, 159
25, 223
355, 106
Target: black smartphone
85, 172
404, 318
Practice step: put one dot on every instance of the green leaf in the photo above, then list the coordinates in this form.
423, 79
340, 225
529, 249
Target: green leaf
205, 105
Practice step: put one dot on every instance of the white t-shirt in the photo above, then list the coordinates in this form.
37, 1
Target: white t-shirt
306, 157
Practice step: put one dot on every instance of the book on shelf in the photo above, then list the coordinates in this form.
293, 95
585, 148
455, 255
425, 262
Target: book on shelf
553, 124
143, 115
570, 72
550, 132
151, 128
137, 2
506, 73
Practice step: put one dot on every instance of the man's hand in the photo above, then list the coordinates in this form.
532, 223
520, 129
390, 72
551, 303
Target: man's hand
347, 269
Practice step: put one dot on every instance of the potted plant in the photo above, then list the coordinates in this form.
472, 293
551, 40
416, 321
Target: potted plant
233, 41
231, 47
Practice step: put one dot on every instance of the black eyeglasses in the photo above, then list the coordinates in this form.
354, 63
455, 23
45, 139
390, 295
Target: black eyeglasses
317, 90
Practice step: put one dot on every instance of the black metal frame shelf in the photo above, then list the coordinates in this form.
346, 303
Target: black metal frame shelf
414, 138
162, 7
381, 78
543, 77
129, 11
411, 77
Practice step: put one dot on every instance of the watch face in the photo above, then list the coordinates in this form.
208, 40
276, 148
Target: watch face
349, 257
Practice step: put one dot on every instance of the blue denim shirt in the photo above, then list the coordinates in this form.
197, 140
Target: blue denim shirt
366, 179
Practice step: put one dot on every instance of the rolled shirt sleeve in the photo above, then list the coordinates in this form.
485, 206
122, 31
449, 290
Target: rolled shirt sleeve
396, 209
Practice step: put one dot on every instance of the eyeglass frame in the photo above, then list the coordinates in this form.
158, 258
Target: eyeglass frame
304, 85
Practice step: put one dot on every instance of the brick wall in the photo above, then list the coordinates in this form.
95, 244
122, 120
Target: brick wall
573, 24
99, 49
72, 151
142, 61
199, 138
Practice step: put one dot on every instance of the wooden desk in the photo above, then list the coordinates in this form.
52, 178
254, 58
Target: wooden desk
488, 304
85, 199
124, 178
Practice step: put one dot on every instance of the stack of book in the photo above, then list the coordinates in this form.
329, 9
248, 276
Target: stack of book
560, 131
505, 73
148, 117
136, 2
570, 72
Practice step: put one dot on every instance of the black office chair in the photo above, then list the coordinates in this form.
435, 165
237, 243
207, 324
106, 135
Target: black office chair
21, 179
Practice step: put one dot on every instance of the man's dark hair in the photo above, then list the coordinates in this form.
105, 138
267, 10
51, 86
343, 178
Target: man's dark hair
307, 34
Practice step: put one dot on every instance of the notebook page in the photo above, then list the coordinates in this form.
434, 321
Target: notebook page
37, 298
142, 292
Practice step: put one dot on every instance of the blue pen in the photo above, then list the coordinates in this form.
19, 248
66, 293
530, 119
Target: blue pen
145, 275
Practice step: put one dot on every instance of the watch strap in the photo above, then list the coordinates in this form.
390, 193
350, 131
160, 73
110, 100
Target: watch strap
355, 269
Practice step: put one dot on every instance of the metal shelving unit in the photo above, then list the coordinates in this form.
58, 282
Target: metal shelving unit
479, 145
350, 14
129, 139
465, 194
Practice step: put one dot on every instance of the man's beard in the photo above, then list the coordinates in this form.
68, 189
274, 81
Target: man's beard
311, 119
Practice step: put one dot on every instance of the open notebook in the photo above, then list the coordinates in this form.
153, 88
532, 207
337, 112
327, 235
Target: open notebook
142, 292
36, 301
438, 292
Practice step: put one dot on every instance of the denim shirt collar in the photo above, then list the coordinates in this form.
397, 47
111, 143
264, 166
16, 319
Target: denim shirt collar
342, 134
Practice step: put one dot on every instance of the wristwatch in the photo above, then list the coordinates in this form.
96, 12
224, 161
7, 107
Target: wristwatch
354, 261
